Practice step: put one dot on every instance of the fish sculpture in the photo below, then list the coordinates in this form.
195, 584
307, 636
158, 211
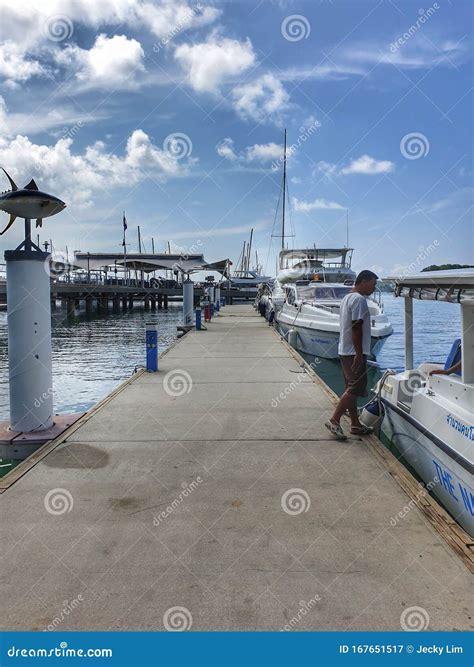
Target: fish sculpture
28, 202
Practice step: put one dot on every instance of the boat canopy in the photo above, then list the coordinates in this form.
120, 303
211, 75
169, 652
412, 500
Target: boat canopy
150, 262
452, 286
318, 254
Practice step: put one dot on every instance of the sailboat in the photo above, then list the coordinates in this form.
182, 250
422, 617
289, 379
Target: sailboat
305, 298
244, 278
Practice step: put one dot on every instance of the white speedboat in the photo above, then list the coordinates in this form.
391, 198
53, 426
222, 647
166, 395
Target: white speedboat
309, 318
430, 419
310, 264
331, 265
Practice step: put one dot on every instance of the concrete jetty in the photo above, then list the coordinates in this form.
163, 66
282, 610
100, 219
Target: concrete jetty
208, 496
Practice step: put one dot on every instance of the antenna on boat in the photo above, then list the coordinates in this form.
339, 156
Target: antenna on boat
347, 228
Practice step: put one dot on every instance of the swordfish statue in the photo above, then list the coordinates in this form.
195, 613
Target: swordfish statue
28, 202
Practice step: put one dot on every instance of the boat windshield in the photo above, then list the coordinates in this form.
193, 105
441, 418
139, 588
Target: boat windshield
322, 292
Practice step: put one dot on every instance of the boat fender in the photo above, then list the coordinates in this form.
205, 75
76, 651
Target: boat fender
371, 413
292, 337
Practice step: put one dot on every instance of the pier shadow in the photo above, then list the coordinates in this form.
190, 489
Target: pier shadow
79, 456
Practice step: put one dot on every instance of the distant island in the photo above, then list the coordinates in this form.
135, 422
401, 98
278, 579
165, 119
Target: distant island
446, 267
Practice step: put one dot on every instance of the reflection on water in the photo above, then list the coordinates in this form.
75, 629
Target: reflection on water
92, 354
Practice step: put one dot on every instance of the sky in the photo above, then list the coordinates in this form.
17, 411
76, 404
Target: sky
174, 112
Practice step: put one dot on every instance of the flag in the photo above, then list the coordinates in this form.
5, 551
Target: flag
124, 229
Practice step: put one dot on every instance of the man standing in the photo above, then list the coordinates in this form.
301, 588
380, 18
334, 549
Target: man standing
354, 347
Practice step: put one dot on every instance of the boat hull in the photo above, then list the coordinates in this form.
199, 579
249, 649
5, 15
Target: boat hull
448, 480
319, 343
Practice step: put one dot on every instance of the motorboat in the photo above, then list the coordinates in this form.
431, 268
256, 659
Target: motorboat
309, 317
331, 265
429, 418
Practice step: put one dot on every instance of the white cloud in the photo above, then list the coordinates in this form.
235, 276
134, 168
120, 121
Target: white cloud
15, 67
257, 153
77, 177
317, 204
368, 165
38, 31
210, 64
226, 149
167, 19
265, 96
461, 199
110, 63
263, 152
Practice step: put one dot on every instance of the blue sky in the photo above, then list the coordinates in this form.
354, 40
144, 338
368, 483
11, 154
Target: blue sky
174, 111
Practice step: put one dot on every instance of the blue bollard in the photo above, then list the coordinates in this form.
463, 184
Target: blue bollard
151, 347
222, 301
198, 319
212, 309
218, 306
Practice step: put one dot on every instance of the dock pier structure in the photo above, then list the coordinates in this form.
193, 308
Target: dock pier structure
212, 486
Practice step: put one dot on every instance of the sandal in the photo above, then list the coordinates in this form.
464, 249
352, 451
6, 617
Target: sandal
361, 430
336, 430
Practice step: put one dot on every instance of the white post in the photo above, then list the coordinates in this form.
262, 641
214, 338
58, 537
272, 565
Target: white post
212, 291
188, 302
467, 342
408, 333
29, 340
218, 297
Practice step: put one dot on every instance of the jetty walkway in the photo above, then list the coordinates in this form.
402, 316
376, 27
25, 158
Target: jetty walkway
208, 496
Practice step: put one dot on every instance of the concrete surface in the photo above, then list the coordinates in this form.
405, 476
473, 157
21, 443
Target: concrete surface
173, 495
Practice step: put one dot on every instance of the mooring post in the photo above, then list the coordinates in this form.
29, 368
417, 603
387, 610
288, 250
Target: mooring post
151, 347
198, 318
29, 339
218, 298
188, 302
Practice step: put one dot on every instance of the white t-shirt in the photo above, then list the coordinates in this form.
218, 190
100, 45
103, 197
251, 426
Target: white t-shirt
353, 307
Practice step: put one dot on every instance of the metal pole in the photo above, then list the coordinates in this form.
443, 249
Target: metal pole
408, 333
284, 198
467, 343
188, 302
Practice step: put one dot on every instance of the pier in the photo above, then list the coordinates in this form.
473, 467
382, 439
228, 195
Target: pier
210, 493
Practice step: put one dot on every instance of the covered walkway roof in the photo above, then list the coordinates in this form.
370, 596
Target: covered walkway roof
150, 262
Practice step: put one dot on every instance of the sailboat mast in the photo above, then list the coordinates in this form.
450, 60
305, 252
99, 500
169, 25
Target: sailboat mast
249, 249
284, 198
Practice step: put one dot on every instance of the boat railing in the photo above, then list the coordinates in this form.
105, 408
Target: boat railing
377, 297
